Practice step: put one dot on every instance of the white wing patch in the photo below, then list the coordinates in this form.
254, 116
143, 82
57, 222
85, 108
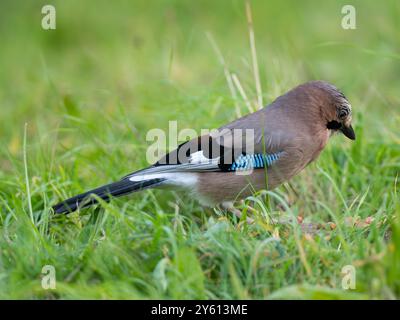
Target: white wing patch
176, 178
199, 158
182, 174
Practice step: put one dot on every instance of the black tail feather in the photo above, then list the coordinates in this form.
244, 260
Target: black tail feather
116, 189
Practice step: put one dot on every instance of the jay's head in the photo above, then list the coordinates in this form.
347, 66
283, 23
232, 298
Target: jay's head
330, 107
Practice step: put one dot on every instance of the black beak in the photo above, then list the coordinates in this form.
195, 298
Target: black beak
348, 132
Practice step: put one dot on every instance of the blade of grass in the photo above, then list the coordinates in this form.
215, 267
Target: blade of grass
28, 190
256, 71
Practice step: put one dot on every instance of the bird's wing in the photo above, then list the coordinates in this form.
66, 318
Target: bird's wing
252, 142
267, 130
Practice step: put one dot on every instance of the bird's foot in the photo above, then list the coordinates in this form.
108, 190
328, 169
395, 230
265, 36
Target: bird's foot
231, 208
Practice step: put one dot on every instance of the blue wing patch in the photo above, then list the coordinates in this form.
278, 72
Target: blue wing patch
254, 161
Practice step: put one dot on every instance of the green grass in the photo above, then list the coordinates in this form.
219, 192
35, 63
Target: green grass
77, 102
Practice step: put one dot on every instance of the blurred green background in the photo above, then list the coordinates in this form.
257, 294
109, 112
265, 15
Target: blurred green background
91, 89
150, 55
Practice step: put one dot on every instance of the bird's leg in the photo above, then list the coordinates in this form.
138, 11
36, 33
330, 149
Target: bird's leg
231, 208
275, 221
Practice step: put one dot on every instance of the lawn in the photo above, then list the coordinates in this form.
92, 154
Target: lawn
76, 104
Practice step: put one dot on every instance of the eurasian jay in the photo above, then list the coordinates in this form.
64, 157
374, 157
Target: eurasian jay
259, 151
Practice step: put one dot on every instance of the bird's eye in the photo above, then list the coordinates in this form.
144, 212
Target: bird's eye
343, 112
